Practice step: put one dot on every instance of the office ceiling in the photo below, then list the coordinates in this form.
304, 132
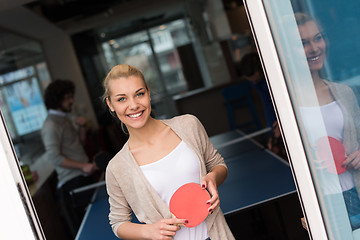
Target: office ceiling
58, 11
17, 52
75, 16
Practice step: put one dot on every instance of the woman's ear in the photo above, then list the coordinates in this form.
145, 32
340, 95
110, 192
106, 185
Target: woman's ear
108, 102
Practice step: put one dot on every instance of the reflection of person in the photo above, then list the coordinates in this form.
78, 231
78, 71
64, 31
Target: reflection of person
159, 157
339, 102
250, 69
63, 144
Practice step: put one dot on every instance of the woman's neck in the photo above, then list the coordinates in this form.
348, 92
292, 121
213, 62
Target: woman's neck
317, 80
323, 93
148, 133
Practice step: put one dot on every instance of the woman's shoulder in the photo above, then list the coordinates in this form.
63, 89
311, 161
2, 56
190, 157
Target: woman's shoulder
338, 86
342, 91
183, 119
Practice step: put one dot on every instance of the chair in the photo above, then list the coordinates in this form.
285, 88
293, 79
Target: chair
239, 97
73, 203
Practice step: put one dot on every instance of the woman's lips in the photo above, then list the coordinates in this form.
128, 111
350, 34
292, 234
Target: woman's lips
135, 115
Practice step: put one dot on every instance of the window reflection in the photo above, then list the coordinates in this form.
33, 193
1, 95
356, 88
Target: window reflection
334, 152
166, 39
326, 107
26, 105
157, 52
23, 76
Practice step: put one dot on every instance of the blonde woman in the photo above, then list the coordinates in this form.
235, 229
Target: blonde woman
341, 115
159, 157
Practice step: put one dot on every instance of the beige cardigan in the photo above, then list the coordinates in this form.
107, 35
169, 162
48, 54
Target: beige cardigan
129, 190
346, 98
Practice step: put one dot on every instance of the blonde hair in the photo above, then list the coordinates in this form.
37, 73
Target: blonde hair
121, 70
302, 18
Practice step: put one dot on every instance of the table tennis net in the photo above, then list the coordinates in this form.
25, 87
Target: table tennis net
239, 143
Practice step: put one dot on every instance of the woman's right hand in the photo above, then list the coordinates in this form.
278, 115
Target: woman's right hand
352, 161
164, 229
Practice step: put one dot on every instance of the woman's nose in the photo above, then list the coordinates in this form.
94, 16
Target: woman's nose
133, 104
312, 47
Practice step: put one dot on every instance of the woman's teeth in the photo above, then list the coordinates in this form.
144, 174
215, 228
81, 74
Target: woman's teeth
135, 115
314, 58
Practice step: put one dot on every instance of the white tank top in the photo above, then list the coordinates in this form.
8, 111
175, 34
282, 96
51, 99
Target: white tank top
166, 175
334, 124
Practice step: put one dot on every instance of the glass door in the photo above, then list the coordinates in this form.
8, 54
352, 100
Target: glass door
18, 218
310, 54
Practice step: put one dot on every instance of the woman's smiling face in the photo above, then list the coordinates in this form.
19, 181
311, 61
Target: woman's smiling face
130, 99
314, 45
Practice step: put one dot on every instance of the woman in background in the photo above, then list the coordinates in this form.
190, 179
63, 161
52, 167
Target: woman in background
159, 157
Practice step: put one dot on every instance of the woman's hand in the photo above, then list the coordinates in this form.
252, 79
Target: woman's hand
164, 229
352, 161
209, 182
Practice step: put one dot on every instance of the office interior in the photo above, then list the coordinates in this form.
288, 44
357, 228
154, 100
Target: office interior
188, 51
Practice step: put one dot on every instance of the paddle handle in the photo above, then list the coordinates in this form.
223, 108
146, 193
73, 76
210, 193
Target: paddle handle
180, 224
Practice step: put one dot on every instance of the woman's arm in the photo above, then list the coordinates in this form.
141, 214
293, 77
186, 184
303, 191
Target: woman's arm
349, 100
211, 181
211, 156
214, 163
217, 175
163, 229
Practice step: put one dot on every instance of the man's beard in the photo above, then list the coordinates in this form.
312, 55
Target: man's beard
67, 110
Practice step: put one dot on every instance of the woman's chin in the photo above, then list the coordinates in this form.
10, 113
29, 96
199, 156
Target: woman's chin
314, 68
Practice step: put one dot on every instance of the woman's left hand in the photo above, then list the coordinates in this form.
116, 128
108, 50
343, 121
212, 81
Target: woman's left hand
352, 161
208, 182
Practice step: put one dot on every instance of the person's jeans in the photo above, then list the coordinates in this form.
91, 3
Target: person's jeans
352, 203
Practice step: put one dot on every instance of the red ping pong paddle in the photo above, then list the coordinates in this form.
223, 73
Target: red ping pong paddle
189, 202
337, 154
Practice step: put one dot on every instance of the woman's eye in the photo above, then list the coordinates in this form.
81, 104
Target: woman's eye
318, 38
121, 99
140, 94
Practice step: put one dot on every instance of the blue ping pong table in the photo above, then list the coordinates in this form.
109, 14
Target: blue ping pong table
255, 176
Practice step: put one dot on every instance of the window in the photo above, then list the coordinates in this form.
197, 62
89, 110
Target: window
154, 52
17, 205
23, 77
21, 101
310, 54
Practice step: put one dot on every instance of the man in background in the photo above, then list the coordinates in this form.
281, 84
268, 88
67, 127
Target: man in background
63, 141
